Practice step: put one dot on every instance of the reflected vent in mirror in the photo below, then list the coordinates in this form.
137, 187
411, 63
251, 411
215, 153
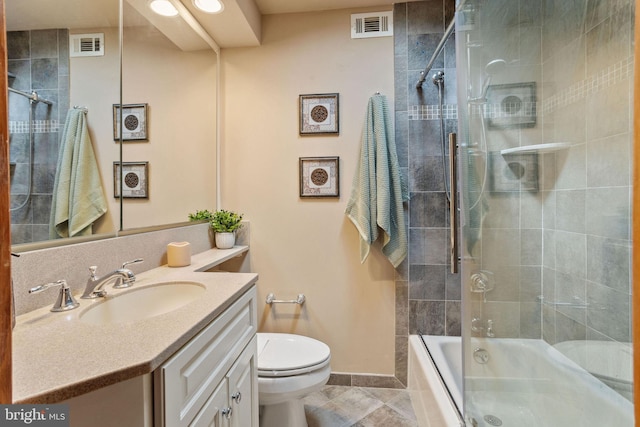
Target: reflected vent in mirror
374, 24
86, 44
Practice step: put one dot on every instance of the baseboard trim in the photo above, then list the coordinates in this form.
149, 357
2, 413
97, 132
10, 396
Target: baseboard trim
365, 380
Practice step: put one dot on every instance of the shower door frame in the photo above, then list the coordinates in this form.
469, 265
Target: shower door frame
635, 225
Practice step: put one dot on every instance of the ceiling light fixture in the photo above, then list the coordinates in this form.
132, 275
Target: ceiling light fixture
163, 7
209, 6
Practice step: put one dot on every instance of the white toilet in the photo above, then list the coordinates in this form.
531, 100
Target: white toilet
289, 368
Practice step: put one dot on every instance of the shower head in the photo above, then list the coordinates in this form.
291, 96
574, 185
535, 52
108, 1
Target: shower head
493, 67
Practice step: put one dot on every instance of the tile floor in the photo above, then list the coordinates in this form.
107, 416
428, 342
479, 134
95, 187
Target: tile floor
343, 406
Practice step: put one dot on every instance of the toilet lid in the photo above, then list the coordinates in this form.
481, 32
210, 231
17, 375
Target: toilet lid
278, 353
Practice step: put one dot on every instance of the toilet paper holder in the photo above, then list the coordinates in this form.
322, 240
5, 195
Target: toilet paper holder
271, 299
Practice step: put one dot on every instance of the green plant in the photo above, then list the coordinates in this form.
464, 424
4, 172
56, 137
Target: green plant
223, 221
204, 215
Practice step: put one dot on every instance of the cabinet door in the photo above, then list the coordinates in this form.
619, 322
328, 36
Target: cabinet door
185, 382
214, 412
243, 388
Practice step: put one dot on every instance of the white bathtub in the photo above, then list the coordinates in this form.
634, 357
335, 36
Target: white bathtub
524, 383
431, 402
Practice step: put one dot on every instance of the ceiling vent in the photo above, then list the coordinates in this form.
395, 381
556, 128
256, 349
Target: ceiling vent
86, 44
374, 24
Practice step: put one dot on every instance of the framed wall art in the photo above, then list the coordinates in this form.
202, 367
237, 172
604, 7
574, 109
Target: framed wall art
319, 177
133, 119
135, 181
319, 114
511, 105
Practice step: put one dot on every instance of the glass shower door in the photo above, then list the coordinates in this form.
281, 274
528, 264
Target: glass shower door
545, 166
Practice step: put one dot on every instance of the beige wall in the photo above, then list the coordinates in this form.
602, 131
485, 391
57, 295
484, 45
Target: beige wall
99, 98
308, 245
180, 89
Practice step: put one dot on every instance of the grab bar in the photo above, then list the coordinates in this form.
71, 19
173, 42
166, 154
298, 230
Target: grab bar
271, 299
453, 206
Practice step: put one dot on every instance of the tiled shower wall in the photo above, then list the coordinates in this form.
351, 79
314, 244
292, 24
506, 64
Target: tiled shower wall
587, 52
560, 255
40, 61
427, 295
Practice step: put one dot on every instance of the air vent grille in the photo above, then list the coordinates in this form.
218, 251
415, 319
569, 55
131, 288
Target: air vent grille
86, 44
375, 24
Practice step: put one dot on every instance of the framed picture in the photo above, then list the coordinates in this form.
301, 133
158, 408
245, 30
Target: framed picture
319, 177
513, 172
319, 114
135, 181
511, 105
133, 119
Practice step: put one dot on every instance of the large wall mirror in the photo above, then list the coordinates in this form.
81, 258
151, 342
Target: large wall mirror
164, 126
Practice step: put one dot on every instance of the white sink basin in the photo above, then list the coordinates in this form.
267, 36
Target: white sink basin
143, 303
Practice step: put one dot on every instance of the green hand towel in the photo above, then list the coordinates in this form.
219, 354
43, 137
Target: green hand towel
78, 198
379, 189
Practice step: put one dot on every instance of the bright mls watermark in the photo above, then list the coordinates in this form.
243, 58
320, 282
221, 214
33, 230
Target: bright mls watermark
34, 415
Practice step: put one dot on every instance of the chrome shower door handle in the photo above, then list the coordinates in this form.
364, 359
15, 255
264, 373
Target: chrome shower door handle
453, 206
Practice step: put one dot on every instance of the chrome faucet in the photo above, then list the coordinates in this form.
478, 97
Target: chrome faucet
122, 278
65, 299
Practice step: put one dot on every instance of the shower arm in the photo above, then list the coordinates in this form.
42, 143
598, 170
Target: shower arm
33, 96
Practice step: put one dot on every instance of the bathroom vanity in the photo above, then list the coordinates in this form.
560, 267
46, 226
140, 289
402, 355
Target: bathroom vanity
192, 365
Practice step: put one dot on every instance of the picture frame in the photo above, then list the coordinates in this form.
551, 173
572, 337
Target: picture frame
513, 172
133, 119
135, 183
319, 176
319, 114
511, 105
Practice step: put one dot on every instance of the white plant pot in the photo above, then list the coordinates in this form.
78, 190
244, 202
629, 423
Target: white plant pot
225, 240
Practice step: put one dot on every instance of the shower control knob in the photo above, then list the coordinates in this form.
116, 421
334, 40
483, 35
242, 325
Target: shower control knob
481, 355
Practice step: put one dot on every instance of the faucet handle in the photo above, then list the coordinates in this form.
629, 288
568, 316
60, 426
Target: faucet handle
92, 271
135, 261
65, 300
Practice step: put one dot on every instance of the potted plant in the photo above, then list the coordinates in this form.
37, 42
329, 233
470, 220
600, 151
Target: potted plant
224, 224
203, 215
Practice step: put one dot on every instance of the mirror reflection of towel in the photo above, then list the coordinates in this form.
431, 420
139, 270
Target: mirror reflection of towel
379, 189
78, 197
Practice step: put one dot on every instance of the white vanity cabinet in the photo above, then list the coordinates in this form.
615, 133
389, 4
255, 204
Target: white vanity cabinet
212, 380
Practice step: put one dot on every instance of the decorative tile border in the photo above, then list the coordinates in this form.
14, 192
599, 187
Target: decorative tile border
432, 112
39, 126
618, 72
615, 73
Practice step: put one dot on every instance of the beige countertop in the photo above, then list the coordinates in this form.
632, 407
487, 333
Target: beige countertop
56, 356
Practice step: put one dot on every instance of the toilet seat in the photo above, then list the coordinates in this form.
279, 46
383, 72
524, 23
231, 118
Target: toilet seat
281, 355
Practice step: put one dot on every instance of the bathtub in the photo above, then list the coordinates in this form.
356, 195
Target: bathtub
523, 383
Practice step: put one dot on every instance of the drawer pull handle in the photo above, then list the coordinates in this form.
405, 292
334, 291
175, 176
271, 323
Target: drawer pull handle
236, 397
227, 412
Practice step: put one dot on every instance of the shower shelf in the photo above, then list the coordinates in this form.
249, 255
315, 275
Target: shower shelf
537, 148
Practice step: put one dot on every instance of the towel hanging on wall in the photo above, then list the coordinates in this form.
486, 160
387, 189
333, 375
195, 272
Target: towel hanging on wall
78, 198
379, 189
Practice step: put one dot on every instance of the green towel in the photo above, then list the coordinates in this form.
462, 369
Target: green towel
78, 198
379, 189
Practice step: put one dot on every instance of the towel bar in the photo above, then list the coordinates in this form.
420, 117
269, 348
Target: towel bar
271, 299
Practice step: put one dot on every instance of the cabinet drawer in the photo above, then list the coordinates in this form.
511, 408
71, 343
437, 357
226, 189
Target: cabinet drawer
189, 377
